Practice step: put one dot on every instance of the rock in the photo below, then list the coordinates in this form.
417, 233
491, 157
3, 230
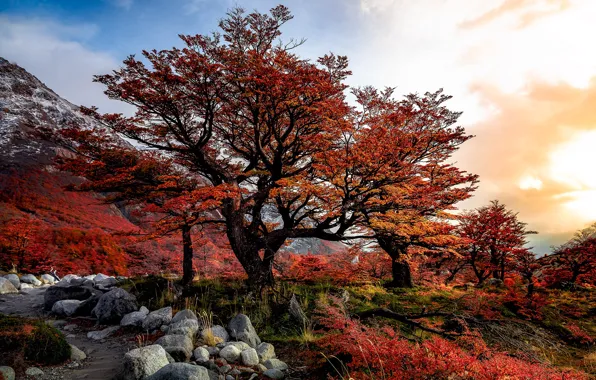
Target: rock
216, 331
7, 373
265, 351
296, 312
25, 286
30, 279
275, 364
87, 306
273, 373
261, 367
213, 351
135, 318
6, 286
66, 308
239, 345
201, 355
100, 277
90, 277
34, 372
69, 277
254, 376
58, 293
225, 368
170, 358
114, 305
181, 371
102, 334
184, 327
494, 282
48, 279
184, 314
179, 346
143, 362
230, 353
72, 327
104, 284
157, 318
77, 354
81, 282
249, 357
14, 280
230, 377
241, 328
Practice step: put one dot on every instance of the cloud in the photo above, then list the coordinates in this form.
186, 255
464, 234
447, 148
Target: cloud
526, 12
55, 54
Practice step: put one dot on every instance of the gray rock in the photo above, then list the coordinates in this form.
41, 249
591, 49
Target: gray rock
107, 283
30, 279
275, 364
170, 358
242, 329
72, 327
261, 367
135, 318
77, 354
218, 332
296, 312
58, 293
184, 327
87, 306
90, 277
7, 287
179, 346
265, 351
102, 334
249, 357
157, 318
225, 368
273, 373
7, 373
66, 308
201, 355
143, 362
253, 376
213, 351
25, 286
14, 280
239, 345
34, 372
100, 277
81, 282
181, 371
184, 314
114, 305
69, 277
230, 353
48, 279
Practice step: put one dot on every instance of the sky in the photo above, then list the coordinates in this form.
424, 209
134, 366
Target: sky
522, 71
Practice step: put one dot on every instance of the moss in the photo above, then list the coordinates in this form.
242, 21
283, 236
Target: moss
31, 340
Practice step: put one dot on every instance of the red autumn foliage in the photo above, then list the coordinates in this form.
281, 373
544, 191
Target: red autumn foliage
371, 353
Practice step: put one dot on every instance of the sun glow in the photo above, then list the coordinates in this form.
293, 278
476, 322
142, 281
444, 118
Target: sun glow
530, 182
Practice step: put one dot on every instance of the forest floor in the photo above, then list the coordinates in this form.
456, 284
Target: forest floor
104, 358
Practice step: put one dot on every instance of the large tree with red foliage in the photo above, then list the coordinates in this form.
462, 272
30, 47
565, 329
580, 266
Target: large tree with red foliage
269, 137
391, 171
496, 241
576, 258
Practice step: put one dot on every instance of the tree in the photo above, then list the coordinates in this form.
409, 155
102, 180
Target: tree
496, 238
577, 257
390, 170
21, 246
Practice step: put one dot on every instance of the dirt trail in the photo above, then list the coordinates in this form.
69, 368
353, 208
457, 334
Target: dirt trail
104, 359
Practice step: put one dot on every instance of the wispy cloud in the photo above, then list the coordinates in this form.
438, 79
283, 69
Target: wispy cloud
525, 12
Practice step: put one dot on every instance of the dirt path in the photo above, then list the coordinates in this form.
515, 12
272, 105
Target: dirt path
104, 359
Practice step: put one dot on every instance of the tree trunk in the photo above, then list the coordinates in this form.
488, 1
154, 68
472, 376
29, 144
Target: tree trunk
187, 270
400, 268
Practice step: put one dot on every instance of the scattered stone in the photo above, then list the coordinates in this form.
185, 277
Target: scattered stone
201, 355
184, 314
213, 351
100, 277
71, 327
239, 345
230, 353
275, 364
230, 377
77, 354
81, 282
114, 305
273, 373
184, 327
218, 332
102, 334
66, 308
170, 358
157, 318
135, 318
25, 286
265, 351
7, 373
30, 279
249, 357
90, 277
242, 329
143, 362
48, 279
225, 369
87, 306
34, 372
296, 312
261, 367
58, 293
14, 280
181, 371
7, 287
179, 346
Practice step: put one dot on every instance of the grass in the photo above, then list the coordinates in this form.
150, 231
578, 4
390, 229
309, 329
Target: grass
26, 341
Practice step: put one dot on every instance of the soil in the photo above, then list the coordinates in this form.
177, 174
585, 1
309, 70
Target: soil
104, 358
